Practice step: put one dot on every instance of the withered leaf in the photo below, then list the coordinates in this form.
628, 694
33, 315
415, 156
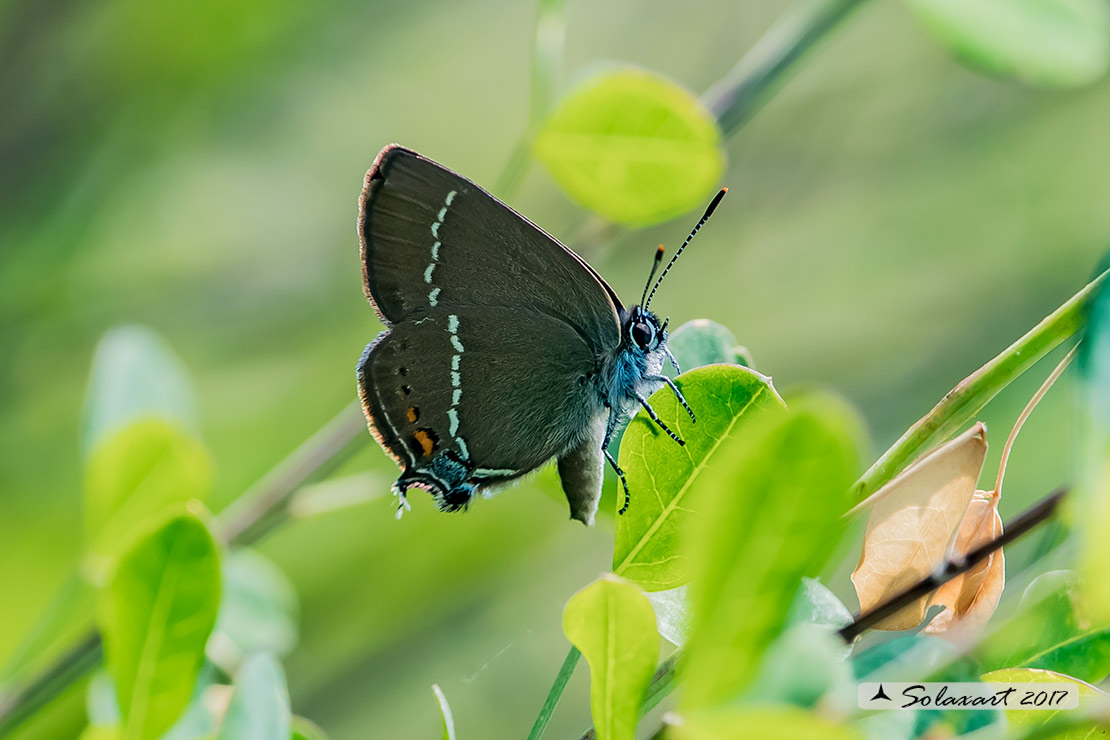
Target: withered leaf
971, 598
913, 524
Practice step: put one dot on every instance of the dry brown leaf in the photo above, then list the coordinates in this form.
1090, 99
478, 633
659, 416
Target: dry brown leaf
970, 599
914, 522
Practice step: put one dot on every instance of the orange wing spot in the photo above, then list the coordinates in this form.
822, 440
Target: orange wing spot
412, 414
427, 444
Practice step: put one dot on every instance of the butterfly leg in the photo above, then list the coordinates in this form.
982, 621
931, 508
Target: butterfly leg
678, 394
445, 477
674, 362
655, 417
610, 428
403, 504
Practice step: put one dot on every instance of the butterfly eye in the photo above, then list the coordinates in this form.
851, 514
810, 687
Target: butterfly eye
643, 334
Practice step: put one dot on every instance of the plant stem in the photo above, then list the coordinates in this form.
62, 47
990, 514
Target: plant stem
1045, 387
265, 504
1019, 526
961, 403
737, 95
252, 515
565, 672
547, 56
20, 704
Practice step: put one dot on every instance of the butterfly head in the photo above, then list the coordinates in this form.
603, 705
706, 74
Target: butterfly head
644, 331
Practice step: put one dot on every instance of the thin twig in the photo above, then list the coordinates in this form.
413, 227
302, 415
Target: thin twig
22, 703
1045, 386
740, 93
1019, 526
266, 503
547, 56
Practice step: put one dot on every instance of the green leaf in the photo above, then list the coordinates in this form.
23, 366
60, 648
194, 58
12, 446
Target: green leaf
100, 732
1025, 720
672, 613
887, 725
703, 342
773, 511
131, 477
1090, 509
816, 604
613, 625
1086, 657
758, 723
801, 667
632, 146
259, 708
258, 611
445, 713
101, 705
1055, 43
1046, 615
135, 375
195, 723
905, 658
666, 479
304, 729
156, 615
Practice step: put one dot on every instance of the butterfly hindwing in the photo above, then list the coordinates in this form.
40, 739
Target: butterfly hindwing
498, 390
433, 241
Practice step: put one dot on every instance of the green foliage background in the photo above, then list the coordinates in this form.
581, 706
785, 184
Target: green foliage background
893, 221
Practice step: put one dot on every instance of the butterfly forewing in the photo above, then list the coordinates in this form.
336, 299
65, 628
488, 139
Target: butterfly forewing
434, 241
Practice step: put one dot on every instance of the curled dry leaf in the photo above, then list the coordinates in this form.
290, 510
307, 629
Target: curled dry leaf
914, 522
971, 598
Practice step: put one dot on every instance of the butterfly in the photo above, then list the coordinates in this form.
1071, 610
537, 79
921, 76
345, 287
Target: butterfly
502, 348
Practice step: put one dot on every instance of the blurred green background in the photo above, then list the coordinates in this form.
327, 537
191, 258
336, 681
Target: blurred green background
893, 221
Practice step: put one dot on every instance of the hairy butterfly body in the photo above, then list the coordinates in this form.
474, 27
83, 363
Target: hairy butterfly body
502, 349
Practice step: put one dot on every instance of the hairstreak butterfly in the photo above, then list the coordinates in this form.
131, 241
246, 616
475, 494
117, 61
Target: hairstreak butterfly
502, 348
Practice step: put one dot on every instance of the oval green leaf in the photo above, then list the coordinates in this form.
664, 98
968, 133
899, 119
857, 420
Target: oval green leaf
632, 146
613, 625
1054, 43
156, 615
759, 723
131, 476
1085, 656
258, 611
672, 613
1048, 614
101, 706
259, 708
135, 375
773, 511
703, 342
1027, 720
804, 666
665, 479
816, 604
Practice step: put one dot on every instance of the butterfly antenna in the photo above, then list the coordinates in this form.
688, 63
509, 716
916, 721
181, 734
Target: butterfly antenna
705, 217
654, 269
